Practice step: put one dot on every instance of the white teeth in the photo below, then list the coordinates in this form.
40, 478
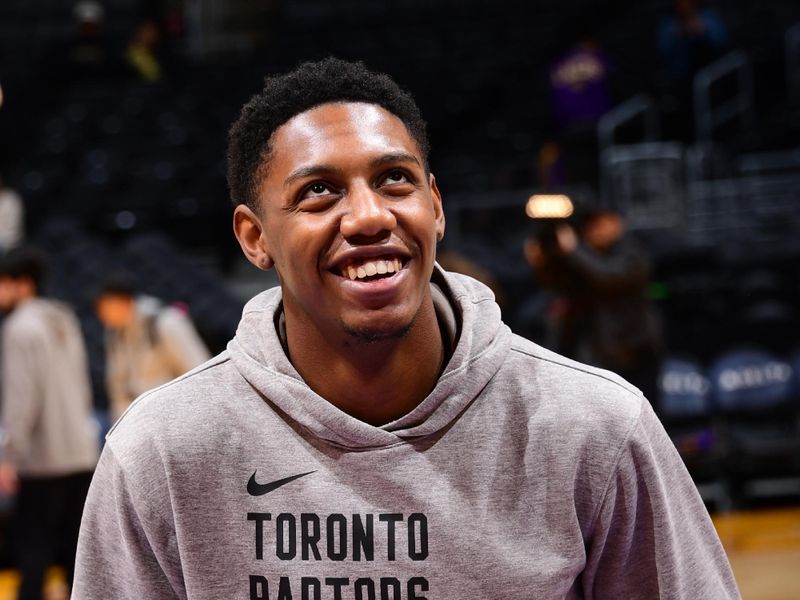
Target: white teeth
374, 267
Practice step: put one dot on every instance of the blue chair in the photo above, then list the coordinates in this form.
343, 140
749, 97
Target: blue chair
753, 390
750, 380
687, 413
683, 389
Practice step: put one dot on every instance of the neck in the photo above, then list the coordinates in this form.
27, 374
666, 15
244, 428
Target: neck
375, 382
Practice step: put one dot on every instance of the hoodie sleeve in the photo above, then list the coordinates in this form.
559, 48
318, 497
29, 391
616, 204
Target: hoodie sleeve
127, 550
652, 536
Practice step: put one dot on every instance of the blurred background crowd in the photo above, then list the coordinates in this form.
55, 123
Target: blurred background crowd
624, 175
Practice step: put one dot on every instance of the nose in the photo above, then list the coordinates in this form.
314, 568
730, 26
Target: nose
367, 215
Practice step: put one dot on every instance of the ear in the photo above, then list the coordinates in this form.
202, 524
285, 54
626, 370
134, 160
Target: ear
250, 232
438, 211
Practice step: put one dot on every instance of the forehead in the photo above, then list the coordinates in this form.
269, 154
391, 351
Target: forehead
338, 131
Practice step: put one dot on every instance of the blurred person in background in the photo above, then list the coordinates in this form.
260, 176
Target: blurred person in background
580, 93
579, 81
143, 52
88, 55
50, 443
148, 343
11, 212
603, 314
12, 218
689, 39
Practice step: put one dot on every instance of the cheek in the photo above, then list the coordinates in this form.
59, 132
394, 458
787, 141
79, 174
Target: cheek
295, 249
421, 223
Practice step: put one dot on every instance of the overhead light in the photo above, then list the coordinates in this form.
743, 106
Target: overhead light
549, 206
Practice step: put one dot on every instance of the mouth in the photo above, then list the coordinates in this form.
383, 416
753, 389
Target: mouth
371, 269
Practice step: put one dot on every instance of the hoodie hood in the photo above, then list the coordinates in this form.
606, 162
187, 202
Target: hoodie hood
468, 314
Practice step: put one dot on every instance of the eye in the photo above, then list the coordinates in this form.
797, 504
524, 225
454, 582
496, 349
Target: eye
396, 176
316, 189
316, 196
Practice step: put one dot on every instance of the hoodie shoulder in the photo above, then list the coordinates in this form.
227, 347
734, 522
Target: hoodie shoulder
177, 403
577, 393
569, 367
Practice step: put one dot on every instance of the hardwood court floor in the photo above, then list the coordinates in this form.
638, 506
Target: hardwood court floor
763, 547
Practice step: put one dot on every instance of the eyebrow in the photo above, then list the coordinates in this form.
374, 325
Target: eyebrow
395, 157
321, 170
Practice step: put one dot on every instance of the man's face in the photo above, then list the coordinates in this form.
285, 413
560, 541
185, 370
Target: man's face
8, 293
115, 311
350, 219
603, 232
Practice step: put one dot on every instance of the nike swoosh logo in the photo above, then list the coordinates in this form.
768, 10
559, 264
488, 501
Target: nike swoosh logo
259, 489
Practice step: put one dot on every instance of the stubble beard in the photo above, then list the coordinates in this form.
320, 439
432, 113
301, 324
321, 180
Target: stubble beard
371, 336
366, 336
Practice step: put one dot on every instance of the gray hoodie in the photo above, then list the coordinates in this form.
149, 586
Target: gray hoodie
522, 475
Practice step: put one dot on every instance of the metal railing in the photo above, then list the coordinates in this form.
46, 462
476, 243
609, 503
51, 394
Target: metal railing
779, 162
708, 116
762, 208
646, 182
640, 106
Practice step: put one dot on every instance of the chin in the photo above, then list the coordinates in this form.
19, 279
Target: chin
373, 334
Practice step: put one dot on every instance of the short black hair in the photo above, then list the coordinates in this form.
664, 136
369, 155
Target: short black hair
309, 85
117, 283
24, 262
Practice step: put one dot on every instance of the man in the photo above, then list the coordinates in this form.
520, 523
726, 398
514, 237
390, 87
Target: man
686, 41
12, 217
50, 444
147, 343
579, 85
690, 38
606, 318
374, 431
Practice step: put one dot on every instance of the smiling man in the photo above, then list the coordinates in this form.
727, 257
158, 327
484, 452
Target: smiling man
374, 431
349, 214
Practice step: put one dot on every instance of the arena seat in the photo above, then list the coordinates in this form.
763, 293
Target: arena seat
750, 379
753, 390
685, 408
684, 390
